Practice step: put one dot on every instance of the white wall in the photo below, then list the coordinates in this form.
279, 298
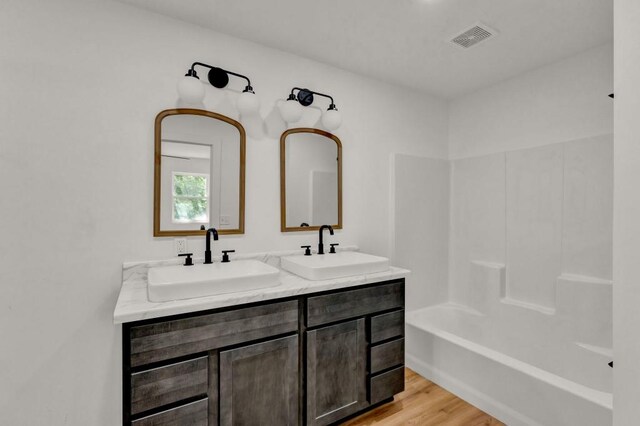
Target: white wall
82, 88
564, 102
478, 219
82, 83
542, 212
420, 223
626, 252
534, 185
560, 102
532, 178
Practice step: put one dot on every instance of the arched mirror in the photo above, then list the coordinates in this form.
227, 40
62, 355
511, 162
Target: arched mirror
310, 180
199, 173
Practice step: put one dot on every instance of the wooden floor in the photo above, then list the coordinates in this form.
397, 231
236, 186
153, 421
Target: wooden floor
424, 403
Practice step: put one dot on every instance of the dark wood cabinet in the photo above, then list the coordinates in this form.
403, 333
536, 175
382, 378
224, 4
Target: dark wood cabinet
346, 304
336, 372
314, 359
165, 385
176, 337
385, 385
192, 414
259, 384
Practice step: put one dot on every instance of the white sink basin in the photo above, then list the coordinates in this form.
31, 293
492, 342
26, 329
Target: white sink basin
338, 265
186, 282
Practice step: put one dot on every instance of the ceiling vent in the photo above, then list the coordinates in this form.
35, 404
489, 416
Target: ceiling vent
474, 35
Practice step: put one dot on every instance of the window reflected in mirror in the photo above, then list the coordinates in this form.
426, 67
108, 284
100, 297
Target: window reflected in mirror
199, 173
190, 197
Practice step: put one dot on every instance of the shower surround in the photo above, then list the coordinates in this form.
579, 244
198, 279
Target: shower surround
526, 333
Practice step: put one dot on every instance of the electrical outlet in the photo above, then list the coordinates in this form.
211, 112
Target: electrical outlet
225, 220
180, 245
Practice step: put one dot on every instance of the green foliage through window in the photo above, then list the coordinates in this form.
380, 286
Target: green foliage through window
190, 198
190, 185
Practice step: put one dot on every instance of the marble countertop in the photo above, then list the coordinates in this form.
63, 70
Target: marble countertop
134, 305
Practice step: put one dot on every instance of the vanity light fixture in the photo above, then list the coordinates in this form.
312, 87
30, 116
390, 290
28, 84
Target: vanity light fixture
291, 110
190, 88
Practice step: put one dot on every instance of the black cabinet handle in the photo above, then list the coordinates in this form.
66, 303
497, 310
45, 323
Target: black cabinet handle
307, 252
188, 261
225, 255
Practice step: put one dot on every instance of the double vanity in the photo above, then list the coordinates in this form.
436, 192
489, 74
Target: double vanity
289, 338
278, 339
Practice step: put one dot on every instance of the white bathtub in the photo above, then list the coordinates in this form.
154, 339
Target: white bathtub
521, 366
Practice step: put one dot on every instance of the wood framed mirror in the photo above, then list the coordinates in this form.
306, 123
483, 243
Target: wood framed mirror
310, 180
199, 173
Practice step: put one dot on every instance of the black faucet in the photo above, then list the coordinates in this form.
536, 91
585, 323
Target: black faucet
207, 252
320, 244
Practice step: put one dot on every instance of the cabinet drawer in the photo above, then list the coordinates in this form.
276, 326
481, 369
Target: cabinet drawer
354, 303
387, 355
387, 326
386, 385
194, 414
165, 385
171, 339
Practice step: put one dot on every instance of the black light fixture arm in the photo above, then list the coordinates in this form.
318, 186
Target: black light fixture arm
315, 93
305, 97
192, 72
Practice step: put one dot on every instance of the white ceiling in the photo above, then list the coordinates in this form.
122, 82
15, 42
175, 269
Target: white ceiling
406, 41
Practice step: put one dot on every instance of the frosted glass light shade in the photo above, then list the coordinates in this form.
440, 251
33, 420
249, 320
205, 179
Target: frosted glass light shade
190, 90
248, 103
291, 111
331, 119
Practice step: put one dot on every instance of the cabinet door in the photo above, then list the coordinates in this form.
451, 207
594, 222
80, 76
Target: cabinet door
259, 384
336, 372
